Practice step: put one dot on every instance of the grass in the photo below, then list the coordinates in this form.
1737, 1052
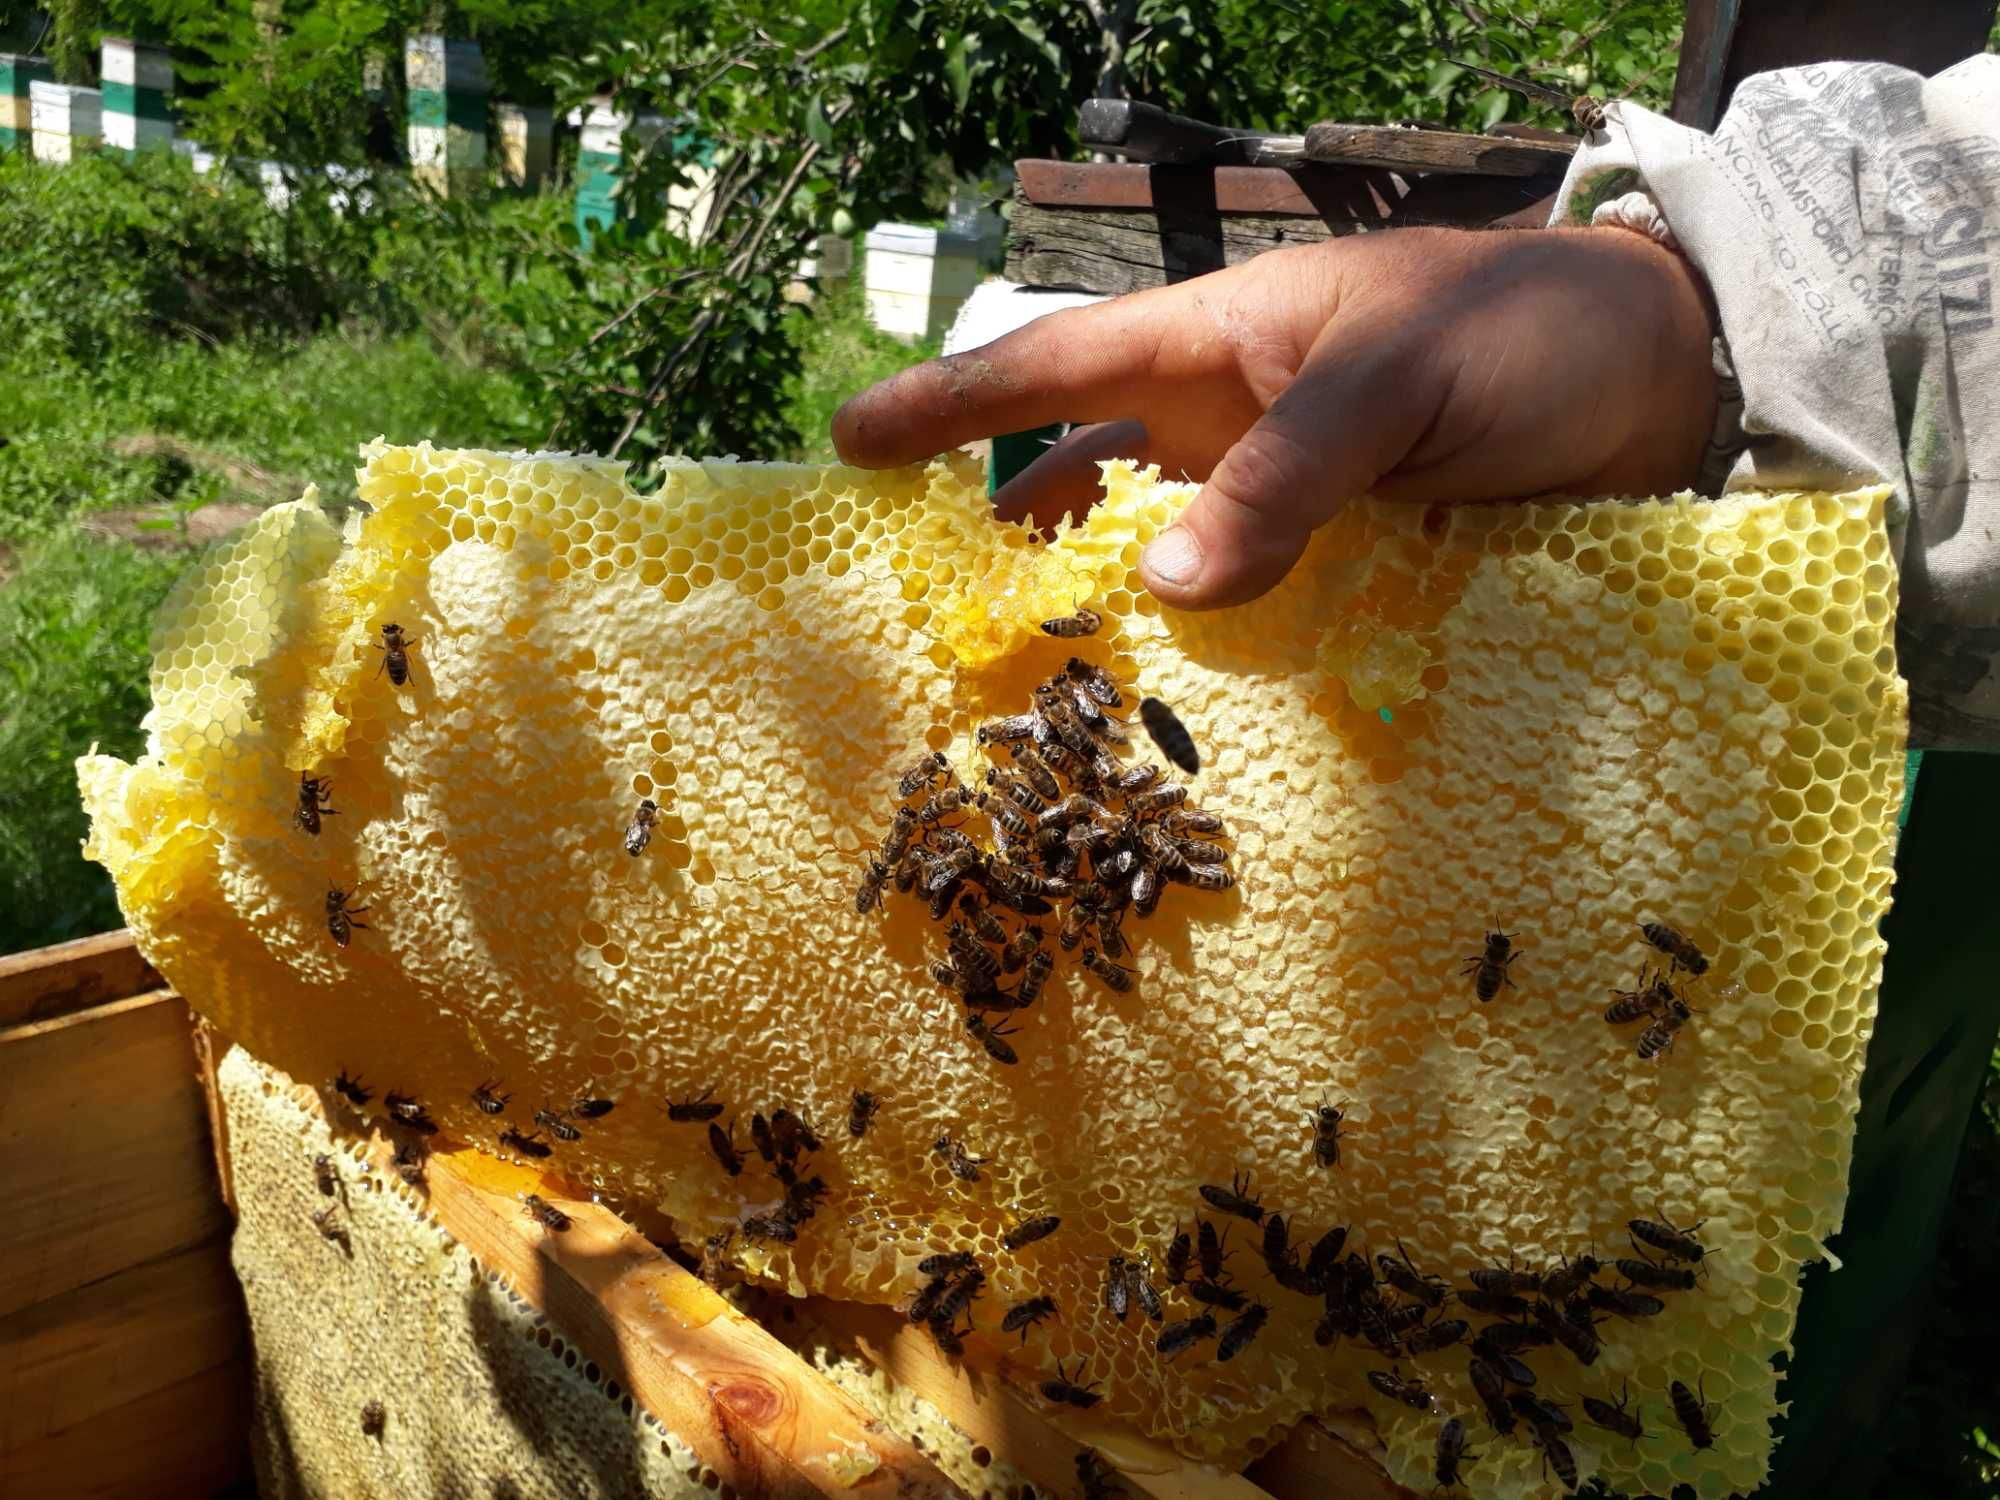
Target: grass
75, 610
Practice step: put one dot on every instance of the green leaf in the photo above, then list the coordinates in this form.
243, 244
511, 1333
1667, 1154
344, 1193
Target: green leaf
818, 128
958, 68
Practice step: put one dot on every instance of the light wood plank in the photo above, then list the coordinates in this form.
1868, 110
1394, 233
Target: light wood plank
104, 1148
189, 1440
763, 1420
44, 983
75, 1360
990, 1408
1400, 149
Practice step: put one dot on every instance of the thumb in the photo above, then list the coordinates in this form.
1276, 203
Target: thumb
1349, 415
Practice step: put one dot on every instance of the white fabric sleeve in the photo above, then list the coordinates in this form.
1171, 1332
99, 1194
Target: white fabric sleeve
1847, 219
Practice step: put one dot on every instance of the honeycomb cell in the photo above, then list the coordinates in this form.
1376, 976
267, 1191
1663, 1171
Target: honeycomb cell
1719, 748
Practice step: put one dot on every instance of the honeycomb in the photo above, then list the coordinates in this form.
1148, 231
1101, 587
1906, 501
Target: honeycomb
479, 1394
1560, 720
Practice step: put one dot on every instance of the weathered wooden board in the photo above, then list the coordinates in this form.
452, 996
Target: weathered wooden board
1401, 149
104, 1148
187, 1439
48, 982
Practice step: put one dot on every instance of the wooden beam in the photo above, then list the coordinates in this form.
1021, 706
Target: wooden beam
1401, 149
104, 1148
763, 1420
1311, 192
189, 1438
1334, 1454
1725, 41
995, 1412
44, 983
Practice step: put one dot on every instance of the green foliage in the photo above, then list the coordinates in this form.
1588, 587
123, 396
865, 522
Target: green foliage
73, 662
840, 352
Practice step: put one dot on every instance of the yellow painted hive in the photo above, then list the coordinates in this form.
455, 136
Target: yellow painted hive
1554, 720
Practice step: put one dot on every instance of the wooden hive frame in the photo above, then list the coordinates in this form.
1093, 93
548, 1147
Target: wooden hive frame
119, 1310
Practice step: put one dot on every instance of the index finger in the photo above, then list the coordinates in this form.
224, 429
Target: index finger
1083, 364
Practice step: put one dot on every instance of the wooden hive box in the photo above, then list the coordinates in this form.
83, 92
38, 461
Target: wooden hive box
148, 1169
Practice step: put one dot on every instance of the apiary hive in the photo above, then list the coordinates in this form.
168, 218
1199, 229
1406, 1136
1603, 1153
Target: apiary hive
1554, 720
16, 108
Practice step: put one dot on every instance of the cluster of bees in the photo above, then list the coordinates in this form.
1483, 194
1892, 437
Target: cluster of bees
1078, 836
1655, 1000
783, 1141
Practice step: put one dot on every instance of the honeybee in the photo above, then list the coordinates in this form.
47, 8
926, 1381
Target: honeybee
1023, 890
639, 831
545, 1213
1241, 1330
1162, 852
1675, 1244
908, 868
1491, 966
1658, 1039
1487, 1383
1680, 951
983, 921
1005, 815
331, 1232
1497, 1341
1191, 820
1573, 1326
896, 842
964, 1166
409, 1114
868, 894
1178, 1336
769, 1227
1234, 1199
1402, 1274
1179, 1248
340, 916
1215, 1294
351, 1090
1657, 1277
1624, 1304
1023, 1316
325, 1176
1326, 1132
1145, 890
944, 1265
1002, 731
1016, 790
1615, 1418
374, 1419
1083, 622
395, 649
949, 1338
958, 1296
1452, 1452
1169, 734
409, 1163
1632, 1005
1030, 1230
1694, 1413
1066, 1392
1214, 1249
1113, 977
313, 803
694, 1111
992, 1038
723, 1144
1411, 1391
525, 1145
1083, 703
1022, 949
970, 957
860, 1112
1570, 1278
933, 766
1143, 1291
1097, 682
1111, 934
1324, 1256
925, 1302
791, 1133
1439, 1333
554, 1122
488, 1099
1159, 799
1206, 877
943, 805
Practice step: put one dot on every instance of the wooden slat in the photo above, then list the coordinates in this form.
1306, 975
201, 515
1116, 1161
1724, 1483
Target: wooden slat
1313, 192
188, 1439
1405, 150
995, 1412
1329, 1455
79, 1360
47, 982
763, 1420
104, 1147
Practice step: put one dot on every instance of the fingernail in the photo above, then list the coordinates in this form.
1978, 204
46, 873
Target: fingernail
1174, 556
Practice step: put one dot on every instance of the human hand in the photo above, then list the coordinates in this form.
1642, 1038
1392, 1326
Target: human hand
1425, 365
